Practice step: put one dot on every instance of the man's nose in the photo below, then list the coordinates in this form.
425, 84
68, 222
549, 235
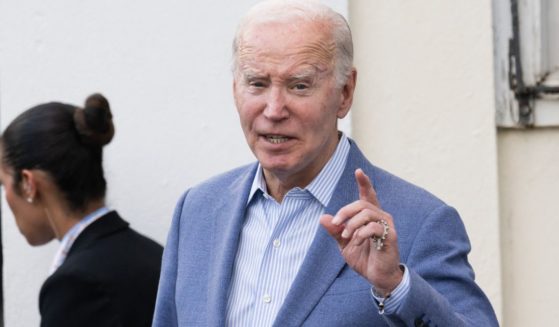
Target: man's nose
276, 107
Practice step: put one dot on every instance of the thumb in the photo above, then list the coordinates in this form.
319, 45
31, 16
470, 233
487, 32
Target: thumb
334, 230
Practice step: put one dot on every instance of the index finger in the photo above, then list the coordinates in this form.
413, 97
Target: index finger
366, 190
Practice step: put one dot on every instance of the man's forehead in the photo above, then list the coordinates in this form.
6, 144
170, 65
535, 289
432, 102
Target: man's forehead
273, 46
287, 39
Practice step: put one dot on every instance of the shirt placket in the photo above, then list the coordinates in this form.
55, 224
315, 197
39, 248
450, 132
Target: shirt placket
272, 271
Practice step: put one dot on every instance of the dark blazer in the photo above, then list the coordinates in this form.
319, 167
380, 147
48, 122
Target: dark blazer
109, 278
205, 233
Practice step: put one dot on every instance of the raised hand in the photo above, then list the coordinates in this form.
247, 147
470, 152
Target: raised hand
367, 238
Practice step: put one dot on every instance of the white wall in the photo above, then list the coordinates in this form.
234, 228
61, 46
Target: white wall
425, 109
165, 68
529, 183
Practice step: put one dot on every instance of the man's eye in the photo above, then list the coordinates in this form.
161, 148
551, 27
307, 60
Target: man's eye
256, 84
300, 86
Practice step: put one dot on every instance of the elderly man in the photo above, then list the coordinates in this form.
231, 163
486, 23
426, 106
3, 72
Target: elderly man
312, 234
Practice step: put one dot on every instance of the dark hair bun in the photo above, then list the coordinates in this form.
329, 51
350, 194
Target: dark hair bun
94, 123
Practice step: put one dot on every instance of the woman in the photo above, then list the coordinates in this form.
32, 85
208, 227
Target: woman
105, 273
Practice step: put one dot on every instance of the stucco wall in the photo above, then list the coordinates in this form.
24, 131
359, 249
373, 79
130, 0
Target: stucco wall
425, 109
529, 183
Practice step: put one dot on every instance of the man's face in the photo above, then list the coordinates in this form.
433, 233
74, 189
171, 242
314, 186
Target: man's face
287, 98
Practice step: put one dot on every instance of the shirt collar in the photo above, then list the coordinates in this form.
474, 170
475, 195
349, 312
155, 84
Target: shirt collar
84, 222
72, 235
322, 186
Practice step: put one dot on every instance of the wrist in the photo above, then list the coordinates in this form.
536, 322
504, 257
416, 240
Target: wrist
383, 290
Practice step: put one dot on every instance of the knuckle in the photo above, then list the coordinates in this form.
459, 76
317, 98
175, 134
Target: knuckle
369, 212
352, 224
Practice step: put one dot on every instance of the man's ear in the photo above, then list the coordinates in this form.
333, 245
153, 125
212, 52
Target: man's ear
28, 184
347, 94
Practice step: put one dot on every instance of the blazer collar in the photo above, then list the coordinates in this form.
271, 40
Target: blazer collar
323, 261
110, 223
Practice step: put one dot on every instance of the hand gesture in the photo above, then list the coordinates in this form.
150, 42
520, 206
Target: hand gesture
367, 238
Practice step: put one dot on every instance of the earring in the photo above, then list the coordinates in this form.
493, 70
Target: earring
30, 199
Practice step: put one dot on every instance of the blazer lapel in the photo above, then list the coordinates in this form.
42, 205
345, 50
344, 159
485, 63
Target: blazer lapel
323, 261
227, 231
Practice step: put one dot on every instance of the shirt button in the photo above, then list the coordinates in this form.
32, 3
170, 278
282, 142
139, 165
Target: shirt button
277, 243
267, 299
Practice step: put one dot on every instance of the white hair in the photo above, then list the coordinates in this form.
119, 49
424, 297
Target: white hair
305, 10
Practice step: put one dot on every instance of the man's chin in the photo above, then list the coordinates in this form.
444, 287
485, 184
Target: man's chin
276, 167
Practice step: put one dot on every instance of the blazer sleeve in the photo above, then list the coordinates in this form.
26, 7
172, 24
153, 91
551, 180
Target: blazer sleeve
442, 290
73, 300
165, 308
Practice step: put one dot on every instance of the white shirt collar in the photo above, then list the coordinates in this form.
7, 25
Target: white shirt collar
72, 234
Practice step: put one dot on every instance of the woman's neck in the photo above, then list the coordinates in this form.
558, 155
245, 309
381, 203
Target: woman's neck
63, 219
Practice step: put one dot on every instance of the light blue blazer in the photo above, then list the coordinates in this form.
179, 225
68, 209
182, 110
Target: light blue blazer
204, 236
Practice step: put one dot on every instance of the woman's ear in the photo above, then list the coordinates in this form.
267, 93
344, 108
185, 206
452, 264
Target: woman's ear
28, 185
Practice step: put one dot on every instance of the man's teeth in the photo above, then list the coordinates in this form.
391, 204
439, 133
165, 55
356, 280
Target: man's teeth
276, 139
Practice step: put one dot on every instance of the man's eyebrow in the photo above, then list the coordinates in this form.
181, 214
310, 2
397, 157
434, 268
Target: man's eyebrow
252, 75
311, 72
308, 73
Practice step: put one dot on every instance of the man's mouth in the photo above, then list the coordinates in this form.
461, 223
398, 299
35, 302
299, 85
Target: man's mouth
277, 139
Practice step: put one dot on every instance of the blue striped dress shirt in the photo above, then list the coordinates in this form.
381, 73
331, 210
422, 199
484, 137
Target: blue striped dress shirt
274, 241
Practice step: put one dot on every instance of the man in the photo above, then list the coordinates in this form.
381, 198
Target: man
302, 238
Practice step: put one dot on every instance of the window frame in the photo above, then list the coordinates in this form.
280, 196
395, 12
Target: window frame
533, 41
